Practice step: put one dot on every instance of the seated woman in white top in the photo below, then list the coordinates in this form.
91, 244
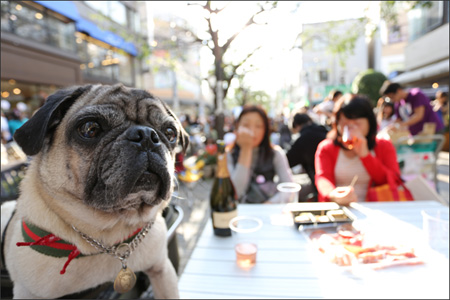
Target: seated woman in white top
254, 163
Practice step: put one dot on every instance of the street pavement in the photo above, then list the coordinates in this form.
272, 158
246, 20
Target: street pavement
194, 200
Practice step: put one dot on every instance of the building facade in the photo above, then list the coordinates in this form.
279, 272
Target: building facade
175, 65
322, 71
394, 38
46, 45
427, 50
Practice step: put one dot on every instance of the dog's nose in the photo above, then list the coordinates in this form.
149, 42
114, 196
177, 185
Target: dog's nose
146, 136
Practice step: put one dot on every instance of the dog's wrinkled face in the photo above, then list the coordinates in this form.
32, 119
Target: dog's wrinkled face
110, 146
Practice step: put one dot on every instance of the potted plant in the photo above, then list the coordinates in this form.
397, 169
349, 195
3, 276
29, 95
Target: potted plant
209, 158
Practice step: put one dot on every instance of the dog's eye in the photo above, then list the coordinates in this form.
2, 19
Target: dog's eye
89, 129
171, 134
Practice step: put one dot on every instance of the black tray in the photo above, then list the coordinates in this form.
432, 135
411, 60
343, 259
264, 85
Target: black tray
321, 214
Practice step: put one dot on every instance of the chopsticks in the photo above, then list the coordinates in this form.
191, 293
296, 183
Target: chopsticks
355, 178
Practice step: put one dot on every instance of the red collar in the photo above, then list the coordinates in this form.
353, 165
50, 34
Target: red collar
49, 244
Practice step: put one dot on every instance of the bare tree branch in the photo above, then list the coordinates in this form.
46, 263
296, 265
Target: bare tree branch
222, 72
249, 22
207, 7
235, 67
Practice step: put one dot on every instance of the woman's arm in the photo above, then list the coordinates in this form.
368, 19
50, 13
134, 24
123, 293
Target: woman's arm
239, 175
240, 172
379, 114
417, 116
325, 162
281, 165
384, 164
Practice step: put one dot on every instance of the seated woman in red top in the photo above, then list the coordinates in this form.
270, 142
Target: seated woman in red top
355, 150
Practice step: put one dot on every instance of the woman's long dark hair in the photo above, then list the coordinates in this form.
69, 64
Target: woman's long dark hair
265, 148
355, 107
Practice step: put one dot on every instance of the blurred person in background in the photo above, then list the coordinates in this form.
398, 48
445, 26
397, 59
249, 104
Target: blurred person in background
370, 158
325, 109
412, 108
440, 106
304, 148
274, 135
385, 114
6, 134
253, 162
17, 117
285, 134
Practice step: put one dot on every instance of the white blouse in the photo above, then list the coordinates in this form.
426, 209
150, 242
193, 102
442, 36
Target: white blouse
346, 168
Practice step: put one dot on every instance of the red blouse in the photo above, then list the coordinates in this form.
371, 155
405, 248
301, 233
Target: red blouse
381, 165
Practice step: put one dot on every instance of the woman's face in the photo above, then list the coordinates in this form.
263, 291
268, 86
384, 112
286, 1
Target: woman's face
254, 122
387, 111
360, 124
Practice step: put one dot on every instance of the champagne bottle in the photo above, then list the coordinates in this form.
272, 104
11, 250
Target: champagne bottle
223, 196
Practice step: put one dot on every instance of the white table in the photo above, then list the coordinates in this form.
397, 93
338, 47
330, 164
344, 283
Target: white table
288, 266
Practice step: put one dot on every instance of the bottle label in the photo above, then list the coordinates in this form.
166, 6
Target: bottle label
222, 219
222, 168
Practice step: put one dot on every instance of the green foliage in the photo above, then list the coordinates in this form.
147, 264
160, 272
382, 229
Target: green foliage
369, 83
341, 45
208, 158
145, 51
389, 9
338, 43
244, 96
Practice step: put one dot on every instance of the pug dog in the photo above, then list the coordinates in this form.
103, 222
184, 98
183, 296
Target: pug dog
89, 210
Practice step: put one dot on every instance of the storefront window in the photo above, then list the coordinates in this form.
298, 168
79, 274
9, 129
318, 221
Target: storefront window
5, 16
423, 19
124, 68
134, 21
103, 61
33, 95
99, 61
119, 12
37, 24
100, 6
26, 23
116, 11
61, 34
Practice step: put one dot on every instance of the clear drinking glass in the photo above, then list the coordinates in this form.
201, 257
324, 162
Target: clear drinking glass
291, 189
435, 228
243, 229
347, 138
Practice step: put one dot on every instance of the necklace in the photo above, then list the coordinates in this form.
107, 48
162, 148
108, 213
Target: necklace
126, 279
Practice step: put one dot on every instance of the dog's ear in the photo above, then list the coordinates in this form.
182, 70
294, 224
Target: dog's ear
184, 139
31, 135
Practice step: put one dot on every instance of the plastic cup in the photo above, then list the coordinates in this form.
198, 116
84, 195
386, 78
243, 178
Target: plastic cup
291, 189
435, 228
246, 246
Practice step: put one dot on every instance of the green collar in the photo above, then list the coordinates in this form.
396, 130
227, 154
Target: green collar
49, 244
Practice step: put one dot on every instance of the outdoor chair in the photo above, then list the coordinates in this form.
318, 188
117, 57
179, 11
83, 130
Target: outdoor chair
173, 215
10, 179
417, 155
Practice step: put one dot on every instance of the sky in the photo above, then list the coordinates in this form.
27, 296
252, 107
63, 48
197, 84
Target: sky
274, 62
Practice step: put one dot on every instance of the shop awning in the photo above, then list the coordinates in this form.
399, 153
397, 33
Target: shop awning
85, 26
65, 8
441, 67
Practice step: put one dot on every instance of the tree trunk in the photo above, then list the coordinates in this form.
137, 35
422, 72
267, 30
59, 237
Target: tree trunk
220, 122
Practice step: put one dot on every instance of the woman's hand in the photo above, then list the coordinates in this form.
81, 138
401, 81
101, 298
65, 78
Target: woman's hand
380, 102
359, 142
343, 195
244, 138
